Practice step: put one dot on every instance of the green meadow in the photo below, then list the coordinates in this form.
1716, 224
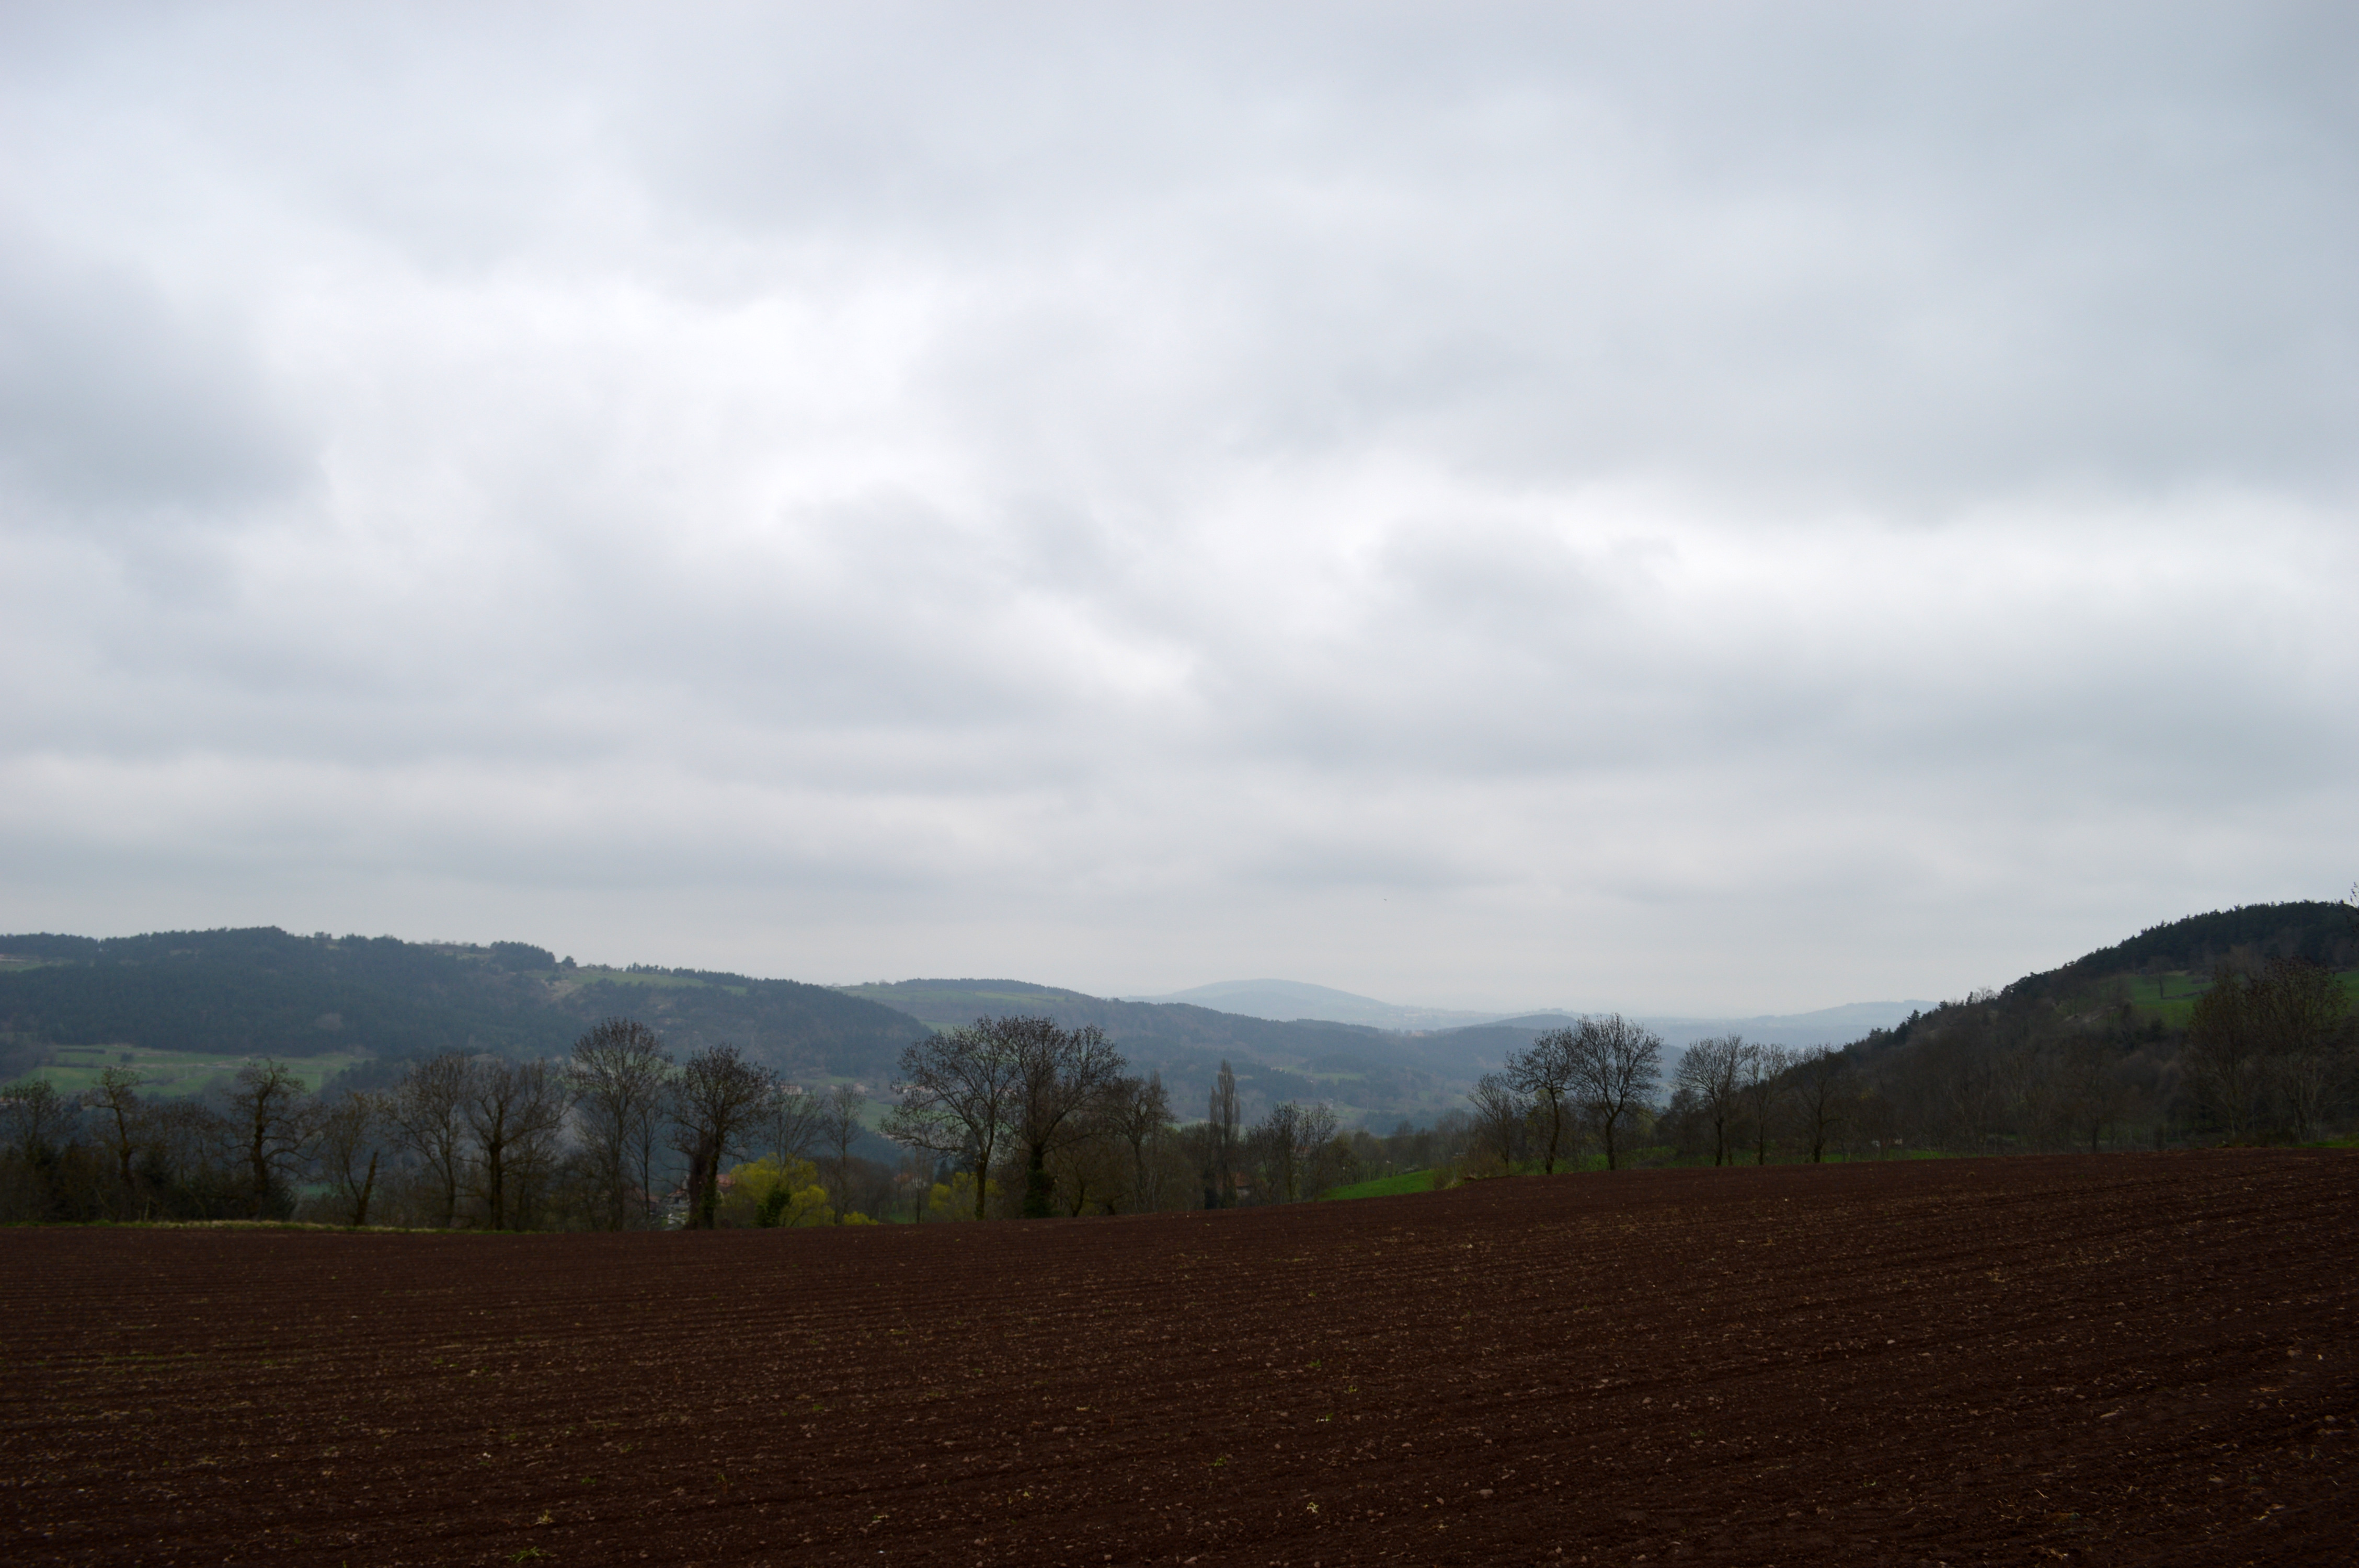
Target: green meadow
1383, 1186
176, 1073
2171, 996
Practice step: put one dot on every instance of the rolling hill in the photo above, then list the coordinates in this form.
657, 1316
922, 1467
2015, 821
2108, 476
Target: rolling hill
198, 1001
260, 992
188, 1006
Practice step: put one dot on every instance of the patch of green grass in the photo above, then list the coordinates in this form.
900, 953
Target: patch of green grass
2171, 996
1383, 1186
173, 1073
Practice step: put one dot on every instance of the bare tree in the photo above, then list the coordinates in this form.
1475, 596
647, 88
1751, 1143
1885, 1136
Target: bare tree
2305, 1018
1761, 1088
116, 1095
716, 1096
1270, 1144
1088, 1161
1501, 1113
1059, 1072
790, 1122
618, 1078
512, 1108
957, 1095
267, 1105
2311, 1083
351, 1145
2227, 1036
1820, 1075
38, 1115
1138, 1110
1543, 1074
1709, 1070
2088, 1089
1220, 1121
916, 1178
1314, 1130
183, 1141
430, 1120
1615, 1067
839, 1129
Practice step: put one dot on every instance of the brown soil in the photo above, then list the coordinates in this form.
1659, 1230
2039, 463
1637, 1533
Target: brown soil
2131, 1360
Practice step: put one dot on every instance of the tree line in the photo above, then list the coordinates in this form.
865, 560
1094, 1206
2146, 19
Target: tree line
616, 1135
1018, 1116
1039, 1119
1009, 1116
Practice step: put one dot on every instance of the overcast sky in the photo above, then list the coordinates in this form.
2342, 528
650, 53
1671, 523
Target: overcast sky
1678, 508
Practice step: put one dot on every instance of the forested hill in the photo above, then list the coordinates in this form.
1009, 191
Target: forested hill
264, 992
2323, 934
227, 995
2144, 986
2097, 1051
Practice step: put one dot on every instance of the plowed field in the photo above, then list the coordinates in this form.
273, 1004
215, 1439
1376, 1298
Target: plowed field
2131, 1360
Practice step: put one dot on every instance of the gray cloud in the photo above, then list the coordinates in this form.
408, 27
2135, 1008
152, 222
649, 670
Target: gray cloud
115, 405
1682, 508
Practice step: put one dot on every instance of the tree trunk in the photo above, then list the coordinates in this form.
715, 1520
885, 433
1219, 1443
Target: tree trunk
695, 1188
704, 1187
1039, 1187
495, 1182
368, 1184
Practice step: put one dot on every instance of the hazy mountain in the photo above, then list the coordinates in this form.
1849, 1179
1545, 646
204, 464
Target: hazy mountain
1412, 1066
1360, 1069
1478, 1048
1289, 999
1827, 1026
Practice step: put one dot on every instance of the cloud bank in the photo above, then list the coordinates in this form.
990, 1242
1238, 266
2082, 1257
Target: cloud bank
1690, 509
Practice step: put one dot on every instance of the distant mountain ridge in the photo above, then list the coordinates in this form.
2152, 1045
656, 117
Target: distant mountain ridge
1825, 1026
1297, 999
1287, 1000
262, 992
1361, 1069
